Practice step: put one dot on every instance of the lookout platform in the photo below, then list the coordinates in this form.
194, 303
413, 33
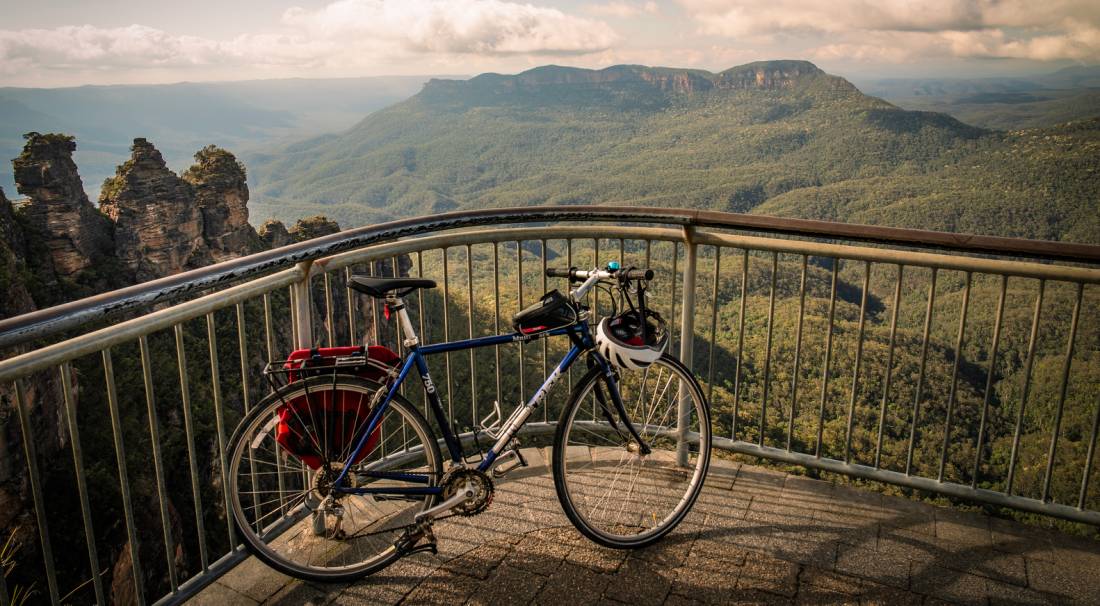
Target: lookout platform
756, 536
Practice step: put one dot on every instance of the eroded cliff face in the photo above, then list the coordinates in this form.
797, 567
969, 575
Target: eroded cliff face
221, 194
158, 225
75, 234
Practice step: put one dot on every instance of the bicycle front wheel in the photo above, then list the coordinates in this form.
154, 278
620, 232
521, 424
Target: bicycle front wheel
612, 492
285, 456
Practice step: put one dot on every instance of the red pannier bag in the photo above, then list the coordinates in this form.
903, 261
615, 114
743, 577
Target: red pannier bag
345, 412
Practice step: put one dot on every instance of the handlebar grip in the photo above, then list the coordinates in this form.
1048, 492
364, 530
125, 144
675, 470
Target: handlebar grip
553, 272
638, 274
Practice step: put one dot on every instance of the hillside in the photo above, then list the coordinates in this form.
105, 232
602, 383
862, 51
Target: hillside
186, 116
765, 137
1006, 104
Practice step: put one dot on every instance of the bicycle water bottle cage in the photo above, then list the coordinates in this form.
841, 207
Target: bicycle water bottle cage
552, 311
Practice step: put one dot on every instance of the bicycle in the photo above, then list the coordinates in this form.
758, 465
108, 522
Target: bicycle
335, 475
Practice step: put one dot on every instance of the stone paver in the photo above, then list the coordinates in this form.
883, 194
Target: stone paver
756, 536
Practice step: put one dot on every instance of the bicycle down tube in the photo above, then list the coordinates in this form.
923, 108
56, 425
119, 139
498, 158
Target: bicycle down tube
416, 358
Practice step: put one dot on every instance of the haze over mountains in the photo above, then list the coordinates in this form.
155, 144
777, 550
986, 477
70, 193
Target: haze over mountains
777, 137
182, 118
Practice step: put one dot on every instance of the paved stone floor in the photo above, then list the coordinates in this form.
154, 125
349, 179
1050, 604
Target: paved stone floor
755, 536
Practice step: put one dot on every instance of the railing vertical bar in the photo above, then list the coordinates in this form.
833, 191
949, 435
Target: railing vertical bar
920, 372
420, 313
859, 361
828, 360
1032, 343
1088, 459
568, 264
889, 367
740, 344
797, 353
713, 347
189, 435
398, 337
123, 476
293, 303
768, 349
470, 331
81, 480
622, 251
36, 491
374, 309
648, 253
496, 315
1062, 392
954, 389
545, 345
519, 300
330, 327
353, 338
219, 422
242, 339
424, 336
687, 344
269, 340
447, 334
989, 380
303, 307
596, 291
672, 311
158, 461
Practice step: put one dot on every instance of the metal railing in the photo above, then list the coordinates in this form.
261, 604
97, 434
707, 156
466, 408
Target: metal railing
972, 374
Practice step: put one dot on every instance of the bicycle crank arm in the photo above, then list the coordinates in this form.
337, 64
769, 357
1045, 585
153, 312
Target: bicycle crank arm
437, 511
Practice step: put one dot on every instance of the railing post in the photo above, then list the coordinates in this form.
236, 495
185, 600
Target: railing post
303, 319
687, 343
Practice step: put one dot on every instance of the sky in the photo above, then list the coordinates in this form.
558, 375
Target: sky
49, 43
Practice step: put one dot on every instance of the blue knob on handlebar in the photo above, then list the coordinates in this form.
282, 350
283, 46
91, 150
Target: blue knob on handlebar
612, 266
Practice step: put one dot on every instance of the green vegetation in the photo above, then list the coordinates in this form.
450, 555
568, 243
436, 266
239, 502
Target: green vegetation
815, 147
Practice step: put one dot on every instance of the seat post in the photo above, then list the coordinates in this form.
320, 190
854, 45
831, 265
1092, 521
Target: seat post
397, 304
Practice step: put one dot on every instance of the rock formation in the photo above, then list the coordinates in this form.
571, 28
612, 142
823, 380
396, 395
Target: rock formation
75, 234
158, 226
274, 234
13, 264
221, 192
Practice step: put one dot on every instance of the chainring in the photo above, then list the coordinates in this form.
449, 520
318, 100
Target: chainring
454, 481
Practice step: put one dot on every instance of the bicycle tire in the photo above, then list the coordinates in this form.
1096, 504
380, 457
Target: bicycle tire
600, 456
264, 417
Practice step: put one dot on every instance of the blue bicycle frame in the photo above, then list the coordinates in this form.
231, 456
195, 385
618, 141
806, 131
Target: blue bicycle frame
582, 340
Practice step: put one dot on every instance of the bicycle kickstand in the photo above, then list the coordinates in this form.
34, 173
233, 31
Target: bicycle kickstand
407, 544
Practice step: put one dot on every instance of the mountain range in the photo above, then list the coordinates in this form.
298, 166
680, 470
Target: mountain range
775, 137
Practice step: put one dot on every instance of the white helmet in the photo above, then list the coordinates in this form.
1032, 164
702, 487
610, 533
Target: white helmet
621, 342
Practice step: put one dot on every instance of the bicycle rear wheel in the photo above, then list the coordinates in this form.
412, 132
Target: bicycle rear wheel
284, 457
614, 494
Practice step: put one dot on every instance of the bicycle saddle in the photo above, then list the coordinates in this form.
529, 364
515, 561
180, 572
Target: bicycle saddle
379, 287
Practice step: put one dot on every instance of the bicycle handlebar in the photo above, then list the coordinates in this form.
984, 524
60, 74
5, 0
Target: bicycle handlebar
579, 274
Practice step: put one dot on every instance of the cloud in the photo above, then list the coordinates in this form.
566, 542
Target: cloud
487, 27
622, 10
336, 38
899, 30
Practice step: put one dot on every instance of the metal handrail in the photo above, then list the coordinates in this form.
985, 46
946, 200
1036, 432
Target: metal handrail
700, 242
50, 321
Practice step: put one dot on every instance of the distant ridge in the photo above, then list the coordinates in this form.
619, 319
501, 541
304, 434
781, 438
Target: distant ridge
765, 75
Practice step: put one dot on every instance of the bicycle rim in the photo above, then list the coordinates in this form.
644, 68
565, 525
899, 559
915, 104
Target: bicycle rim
610, 490
280, 503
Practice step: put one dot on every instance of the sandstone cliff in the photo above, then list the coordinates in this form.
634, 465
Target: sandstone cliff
221, 193
158, 226
75, 235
